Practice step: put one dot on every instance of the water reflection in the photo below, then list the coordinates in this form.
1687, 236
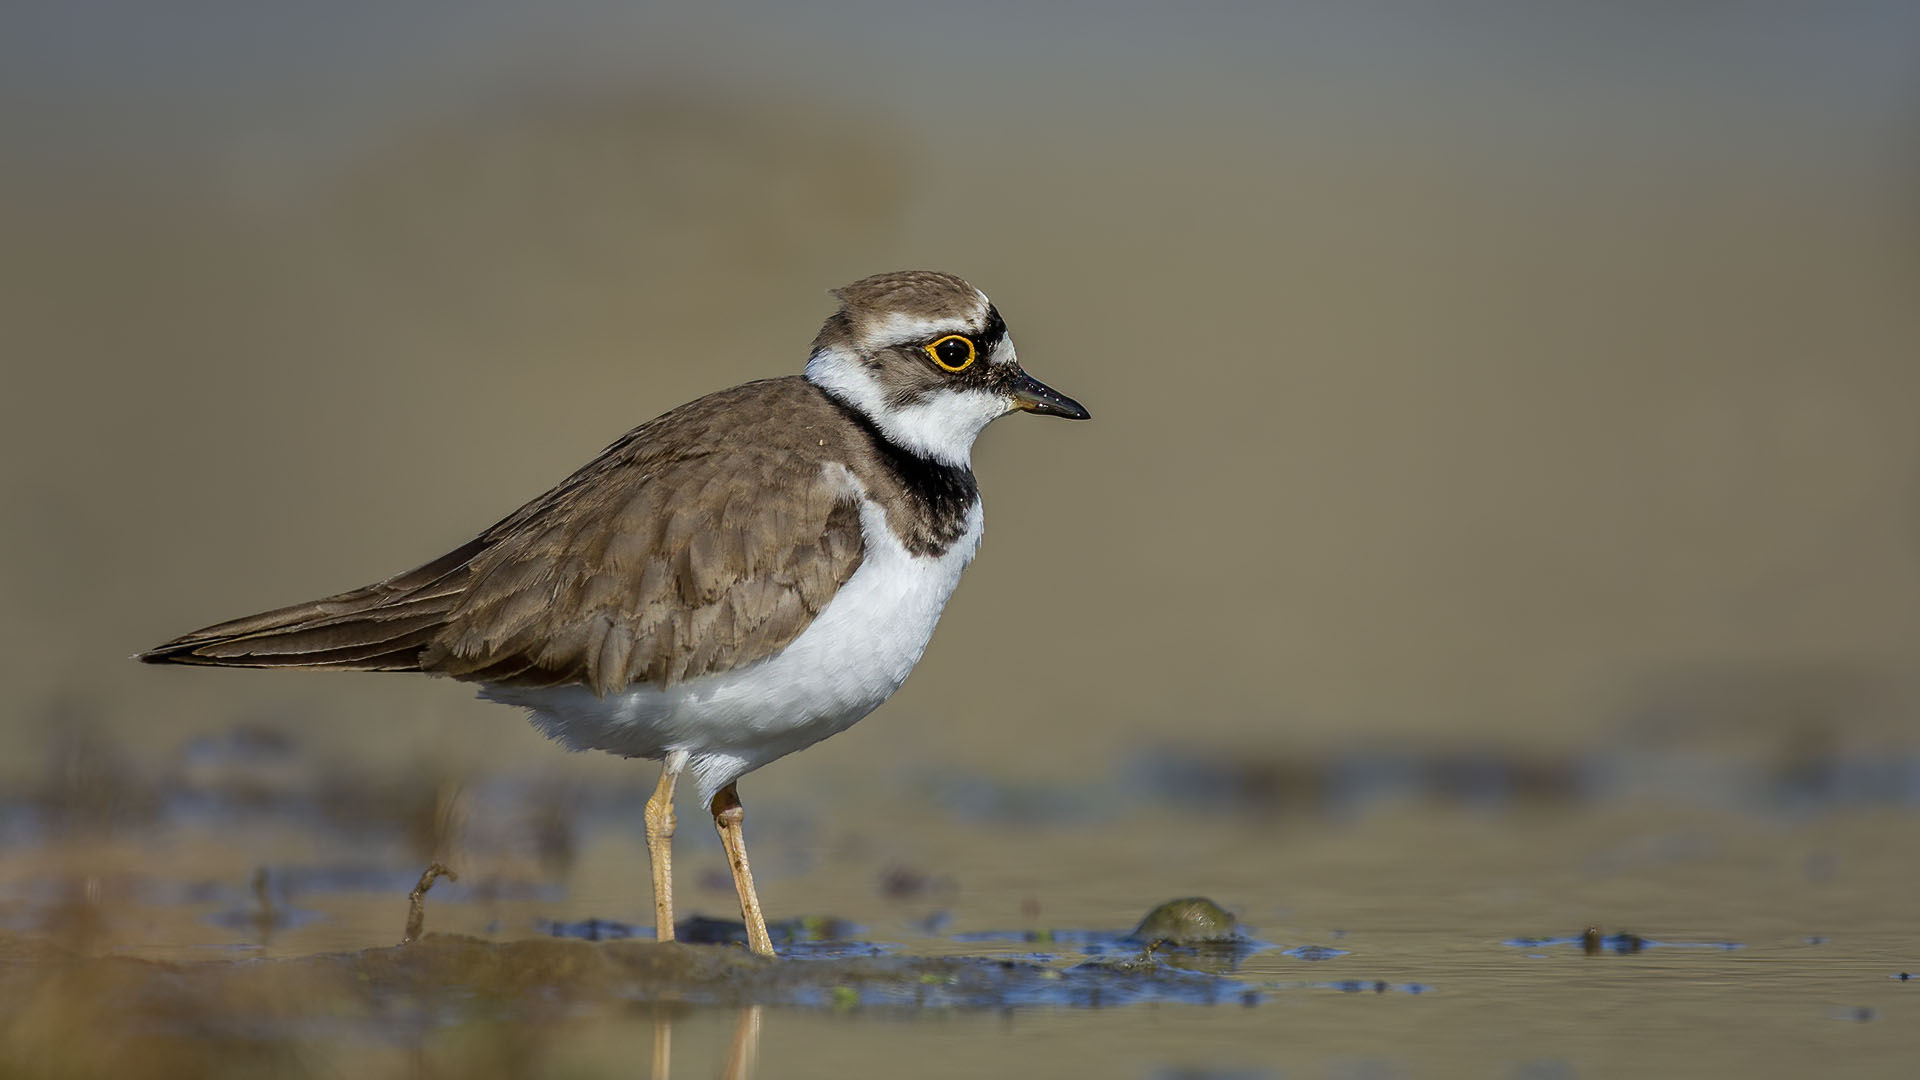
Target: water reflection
743, 1051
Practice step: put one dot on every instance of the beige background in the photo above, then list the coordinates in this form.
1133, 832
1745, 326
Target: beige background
1494, 378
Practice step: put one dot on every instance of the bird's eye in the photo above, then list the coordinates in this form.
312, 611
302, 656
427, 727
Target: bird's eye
953, 352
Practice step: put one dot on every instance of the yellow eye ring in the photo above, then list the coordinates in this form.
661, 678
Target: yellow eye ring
955, 352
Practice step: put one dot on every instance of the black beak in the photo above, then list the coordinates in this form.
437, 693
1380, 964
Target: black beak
1034, 396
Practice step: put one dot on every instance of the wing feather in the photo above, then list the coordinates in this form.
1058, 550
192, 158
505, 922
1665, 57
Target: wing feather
697, 543
683, 557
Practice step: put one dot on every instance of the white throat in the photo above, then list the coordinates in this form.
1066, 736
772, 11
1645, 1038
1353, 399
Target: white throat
941, 426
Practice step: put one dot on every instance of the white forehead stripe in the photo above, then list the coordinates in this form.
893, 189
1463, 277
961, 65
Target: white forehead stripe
900, 328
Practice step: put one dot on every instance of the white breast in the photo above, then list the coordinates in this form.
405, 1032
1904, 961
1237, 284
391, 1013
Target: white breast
852, 657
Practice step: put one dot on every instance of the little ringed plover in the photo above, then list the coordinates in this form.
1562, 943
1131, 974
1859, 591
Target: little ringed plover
728, 583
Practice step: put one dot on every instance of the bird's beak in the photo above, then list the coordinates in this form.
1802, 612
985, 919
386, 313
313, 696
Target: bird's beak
1032, 395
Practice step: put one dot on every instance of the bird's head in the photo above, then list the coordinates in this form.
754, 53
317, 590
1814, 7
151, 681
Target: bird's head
927, 358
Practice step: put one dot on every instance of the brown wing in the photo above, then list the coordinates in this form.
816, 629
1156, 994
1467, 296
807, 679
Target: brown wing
381, 627
665, 560
699, 542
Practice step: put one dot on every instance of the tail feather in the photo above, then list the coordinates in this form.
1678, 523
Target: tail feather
382, 627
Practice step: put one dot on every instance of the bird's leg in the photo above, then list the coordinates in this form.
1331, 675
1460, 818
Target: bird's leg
727, 816
660, 844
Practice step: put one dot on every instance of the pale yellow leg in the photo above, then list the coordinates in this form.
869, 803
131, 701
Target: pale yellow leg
727, 816
660, 822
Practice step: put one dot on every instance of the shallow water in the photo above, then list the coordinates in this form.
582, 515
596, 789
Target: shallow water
1745, 920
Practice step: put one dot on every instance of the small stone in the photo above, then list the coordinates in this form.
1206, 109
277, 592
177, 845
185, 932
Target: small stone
1193, 920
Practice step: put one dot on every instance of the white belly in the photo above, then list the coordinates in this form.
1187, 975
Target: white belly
852, 657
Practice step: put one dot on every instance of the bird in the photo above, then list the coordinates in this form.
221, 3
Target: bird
732, 581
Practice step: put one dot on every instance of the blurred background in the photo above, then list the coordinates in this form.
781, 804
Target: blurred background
1494, 383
